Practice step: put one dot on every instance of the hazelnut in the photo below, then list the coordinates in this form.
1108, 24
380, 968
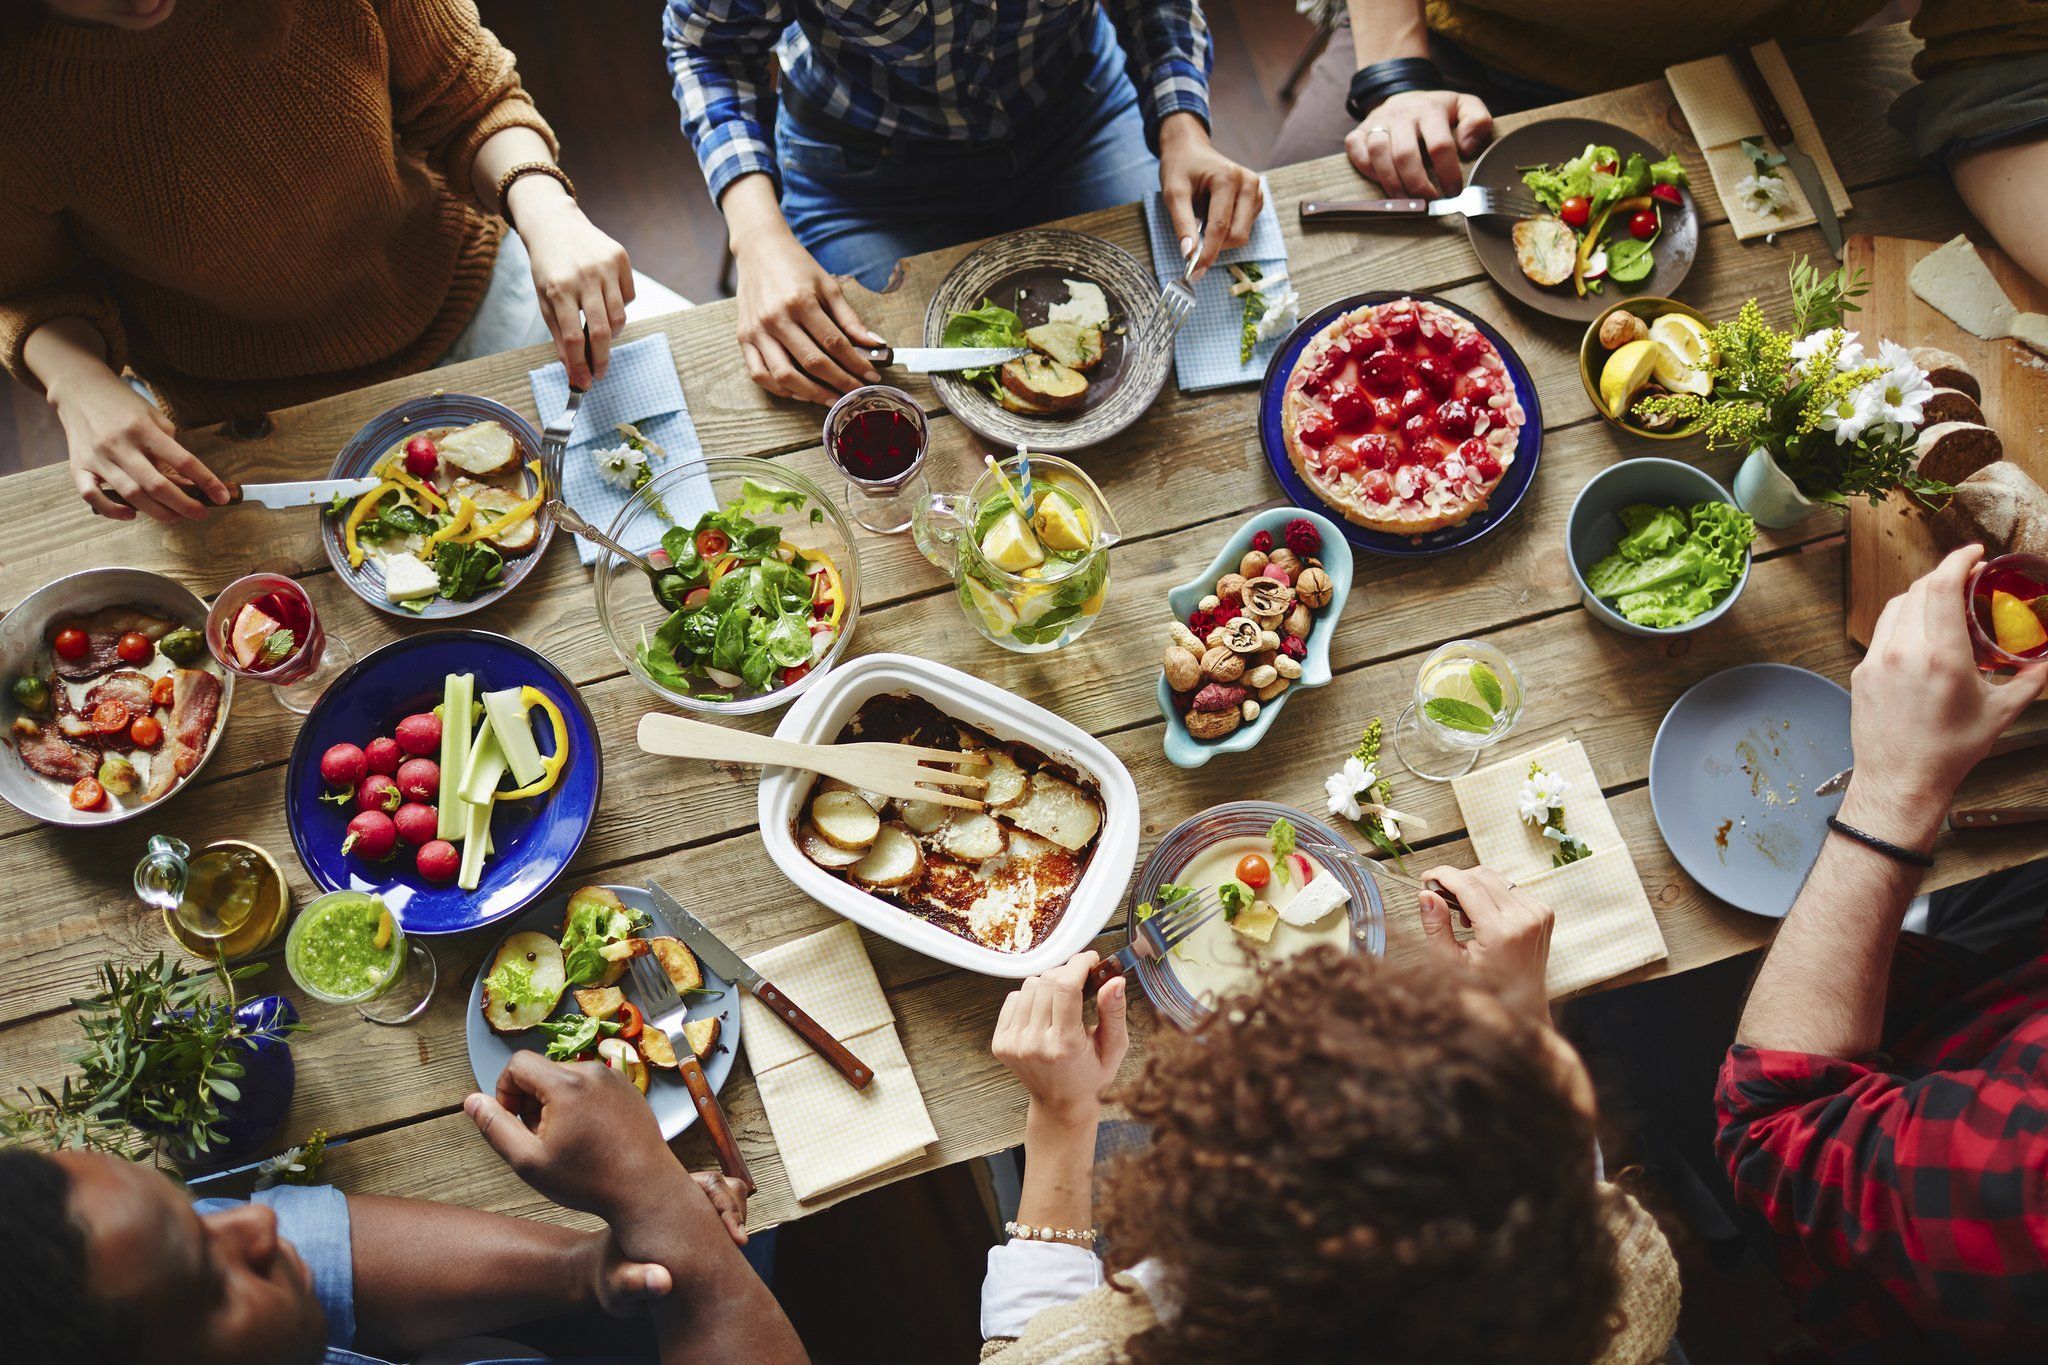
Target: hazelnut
1185, 638
1315, 588
1250, 709
1287, 668
1265, 598
1253, 564
1219, 697
1622, 327
1209, 603
1268, 639
1230, 587
1222, 665
1262, 676
1286, 560
1297, 621
1212, 724
1275, 688
1244, 637
1183, 669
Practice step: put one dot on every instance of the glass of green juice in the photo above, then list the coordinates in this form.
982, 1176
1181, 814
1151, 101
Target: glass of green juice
348, 948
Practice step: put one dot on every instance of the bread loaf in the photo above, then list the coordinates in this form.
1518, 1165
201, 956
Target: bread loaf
2000, 507
1947, 370
1950, 452
1950, 405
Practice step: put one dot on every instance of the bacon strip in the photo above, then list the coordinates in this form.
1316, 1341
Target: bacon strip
52, 755
104, 628
195, 701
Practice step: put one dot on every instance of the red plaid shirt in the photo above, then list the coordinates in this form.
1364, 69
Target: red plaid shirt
1909, 1192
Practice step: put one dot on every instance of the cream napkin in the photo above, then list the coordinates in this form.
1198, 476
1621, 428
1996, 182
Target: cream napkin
1717, 106
828, 1133
1604, 922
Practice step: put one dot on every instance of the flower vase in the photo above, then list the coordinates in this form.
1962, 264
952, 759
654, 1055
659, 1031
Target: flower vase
1768, 494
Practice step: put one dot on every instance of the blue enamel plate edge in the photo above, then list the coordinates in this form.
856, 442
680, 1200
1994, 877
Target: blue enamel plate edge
1506, 498
406, 674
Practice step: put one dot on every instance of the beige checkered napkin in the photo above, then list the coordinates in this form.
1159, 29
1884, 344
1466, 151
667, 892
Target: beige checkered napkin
1717, 106
1604, 922
828, 1133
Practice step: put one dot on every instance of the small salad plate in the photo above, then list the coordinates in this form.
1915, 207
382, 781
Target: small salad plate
532, 840
1029, 273
1183, 750
1732, 774
490, 1051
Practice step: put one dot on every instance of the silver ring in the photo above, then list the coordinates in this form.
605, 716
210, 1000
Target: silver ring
1380, 128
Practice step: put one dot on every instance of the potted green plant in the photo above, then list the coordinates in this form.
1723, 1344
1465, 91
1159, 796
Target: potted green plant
1823, 418
174, 1065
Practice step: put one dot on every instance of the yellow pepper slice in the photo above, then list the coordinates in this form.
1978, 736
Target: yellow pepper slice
833, 582
514, 515
393, 470
553, 763
360, 513
465, 511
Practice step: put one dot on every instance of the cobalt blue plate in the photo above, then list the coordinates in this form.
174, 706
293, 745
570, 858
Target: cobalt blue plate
534, 839
1507, 495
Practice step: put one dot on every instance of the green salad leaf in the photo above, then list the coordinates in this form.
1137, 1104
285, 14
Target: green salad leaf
989, 325
1673, 564
1629, 260
570, 1038
466, 569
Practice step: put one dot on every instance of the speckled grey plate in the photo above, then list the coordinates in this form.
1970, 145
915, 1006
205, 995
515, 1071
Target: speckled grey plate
1732, 775
1120, 388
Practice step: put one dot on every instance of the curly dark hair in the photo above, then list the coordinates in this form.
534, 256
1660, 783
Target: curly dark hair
46, 1297
1361, 1159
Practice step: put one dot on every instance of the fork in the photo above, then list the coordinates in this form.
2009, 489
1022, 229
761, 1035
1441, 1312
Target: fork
1474, 201
904, 771
662, 1008
1177, 300
1157, 935
554, 447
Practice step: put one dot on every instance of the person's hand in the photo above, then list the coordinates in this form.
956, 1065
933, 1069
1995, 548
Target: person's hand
728, 1195
1921, 715
622, 1286
1510, 945
1192, 172
1041, 1037
800, 336
1410, 143
120, 440
582, 277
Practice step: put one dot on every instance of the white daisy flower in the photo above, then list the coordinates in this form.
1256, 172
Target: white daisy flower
1765, 195
1542, 793
1283, 309
1904, 388
1347, 784
620, 465
1854, 414
1848, 357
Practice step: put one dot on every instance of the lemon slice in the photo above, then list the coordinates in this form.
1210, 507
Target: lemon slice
1061, 524
1682, 357
1009, 544
997, 616
1453, 681
2014, 624
1627, 370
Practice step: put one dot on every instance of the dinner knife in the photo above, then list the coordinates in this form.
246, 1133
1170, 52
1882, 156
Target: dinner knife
933, 359
2005, 744
730, 965
310, 493
1779, 129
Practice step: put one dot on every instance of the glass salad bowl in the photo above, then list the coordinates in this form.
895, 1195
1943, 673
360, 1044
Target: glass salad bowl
760, 590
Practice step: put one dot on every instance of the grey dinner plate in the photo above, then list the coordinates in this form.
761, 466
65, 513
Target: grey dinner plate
1732, 775
489, 1052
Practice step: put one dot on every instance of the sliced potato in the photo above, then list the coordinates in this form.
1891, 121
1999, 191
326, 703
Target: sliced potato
1071, 344
1256, 922
1545, 249
480, 450
702, 1034
823, 851
972, 837
543, 959
895, 860
655, 1049
926, 816
845, 819
618, 920
678, 961
603, 897
1005, 781
600, 1002
493, 504
1058, 810
619, 952
833, 784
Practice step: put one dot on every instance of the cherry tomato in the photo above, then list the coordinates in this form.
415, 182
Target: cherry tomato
88, 794
712, 541
110, 718
1642, 224
631, 1021
163, 691
72, 643
792, 676
1670, 194
1254, 871
135, 648
1575, 211
1607, 167
146, 731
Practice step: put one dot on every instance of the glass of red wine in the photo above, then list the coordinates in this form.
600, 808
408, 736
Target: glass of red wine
877, 437
264, 627
2008, 599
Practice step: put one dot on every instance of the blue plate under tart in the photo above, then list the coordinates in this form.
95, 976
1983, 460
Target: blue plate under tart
534, 839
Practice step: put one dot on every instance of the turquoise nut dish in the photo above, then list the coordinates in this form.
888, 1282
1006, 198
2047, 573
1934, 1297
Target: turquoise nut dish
1183, 750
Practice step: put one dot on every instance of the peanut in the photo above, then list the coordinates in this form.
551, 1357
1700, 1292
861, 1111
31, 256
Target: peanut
1262, 676
1185, 638
1183, 669
1286, 667
1268, 639
1297, 621
1275, 688
1210, 603
1250, 709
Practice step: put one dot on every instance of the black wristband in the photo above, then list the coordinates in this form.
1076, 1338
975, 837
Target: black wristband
1884, 846
1374, 83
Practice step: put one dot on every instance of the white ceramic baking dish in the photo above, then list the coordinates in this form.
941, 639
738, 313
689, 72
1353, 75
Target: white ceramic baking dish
818, 716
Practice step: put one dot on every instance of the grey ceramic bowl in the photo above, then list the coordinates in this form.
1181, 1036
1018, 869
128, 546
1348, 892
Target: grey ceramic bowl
1594, 528
24, 648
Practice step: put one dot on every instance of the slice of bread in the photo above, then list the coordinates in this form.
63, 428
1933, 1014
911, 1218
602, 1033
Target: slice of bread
1044, 382
480, 450
1056, 809
2000, 507
1947, 371
1950, 405
1071, 344
1953, 451
1023, 407
1545, 249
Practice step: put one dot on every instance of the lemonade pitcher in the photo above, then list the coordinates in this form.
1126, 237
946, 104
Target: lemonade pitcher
1028, 549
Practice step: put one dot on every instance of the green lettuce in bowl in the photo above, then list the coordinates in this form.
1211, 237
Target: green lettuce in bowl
1673, 565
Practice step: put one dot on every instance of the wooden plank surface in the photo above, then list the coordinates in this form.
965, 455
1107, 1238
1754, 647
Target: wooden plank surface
1179, 480
1893, 544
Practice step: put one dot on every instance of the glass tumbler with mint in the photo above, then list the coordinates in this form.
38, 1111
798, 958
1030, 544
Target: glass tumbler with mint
1467, 697
348, 948
1028, 548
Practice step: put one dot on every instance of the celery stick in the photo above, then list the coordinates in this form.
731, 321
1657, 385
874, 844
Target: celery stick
507, 715
476, 836
455, 742
486, 766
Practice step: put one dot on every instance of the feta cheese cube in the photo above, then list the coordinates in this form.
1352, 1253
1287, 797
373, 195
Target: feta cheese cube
1314, 902
407, 577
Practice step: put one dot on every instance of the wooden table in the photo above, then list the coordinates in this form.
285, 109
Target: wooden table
1179, 481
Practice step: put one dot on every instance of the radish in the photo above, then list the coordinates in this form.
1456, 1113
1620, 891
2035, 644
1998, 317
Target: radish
343, 765
421, 457
1303, 868
415, 821
371, 834
420, 734
437, 860
383, 755
378, 793
419, 779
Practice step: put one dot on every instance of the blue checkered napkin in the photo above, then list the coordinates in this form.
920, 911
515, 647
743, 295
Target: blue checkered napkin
641, 387
1205, 353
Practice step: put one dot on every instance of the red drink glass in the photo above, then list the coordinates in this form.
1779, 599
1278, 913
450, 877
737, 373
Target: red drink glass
264, 627
877, 436
2008, 610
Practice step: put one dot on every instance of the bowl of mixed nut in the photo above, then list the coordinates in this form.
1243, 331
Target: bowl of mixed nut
1255, 626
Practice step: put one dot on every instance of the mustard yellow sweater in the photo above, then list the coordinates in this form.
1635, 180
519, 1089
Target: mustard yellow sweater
257, 202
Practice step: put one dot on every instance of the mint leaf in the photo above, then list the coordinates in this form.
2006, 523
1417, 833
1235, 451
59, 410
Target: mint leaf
1453, 714
1489, 686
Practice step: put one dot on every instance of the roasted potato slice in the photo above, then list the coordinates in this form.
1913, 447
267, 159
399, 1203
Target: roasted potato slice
845, 820
543, 959
600, 1002
678, 961
823, 851
895, 860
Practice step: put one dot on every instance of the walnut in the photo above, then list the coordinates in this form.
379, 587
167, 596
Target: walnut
1230, 587
1222, 665
1244, 637
1265, 598
1183, 669
1622, 327
1314, 588
1253, 564
1185, 638
1250, 709
1287, 668
1212, 724
1297, 621
1262, 676
1285, 559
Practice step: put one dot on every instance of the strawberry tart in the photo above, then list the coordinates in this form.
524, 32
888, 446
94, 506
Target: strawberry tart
1401, 415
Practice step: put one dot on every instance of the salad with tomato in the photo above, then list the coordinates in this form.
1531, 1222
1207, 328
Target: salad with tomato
749, 611
1606, 214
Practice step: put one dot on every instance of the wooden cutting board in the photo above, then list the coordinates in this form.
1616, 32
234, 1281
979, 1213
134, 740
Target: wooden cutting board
1891, 545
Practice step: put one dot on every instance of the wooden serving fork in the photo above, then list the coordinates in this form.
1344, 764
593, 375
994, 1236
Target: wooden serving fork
904, 771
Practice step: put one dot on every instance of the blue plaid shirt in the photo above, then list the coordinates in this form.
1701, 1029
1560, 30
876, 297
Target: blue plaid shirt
967, 71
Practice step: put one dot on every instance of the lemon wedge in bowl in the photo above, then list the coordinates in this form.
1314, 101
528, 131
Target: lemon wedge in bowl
1627, 370
1684, 360
1010, 545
